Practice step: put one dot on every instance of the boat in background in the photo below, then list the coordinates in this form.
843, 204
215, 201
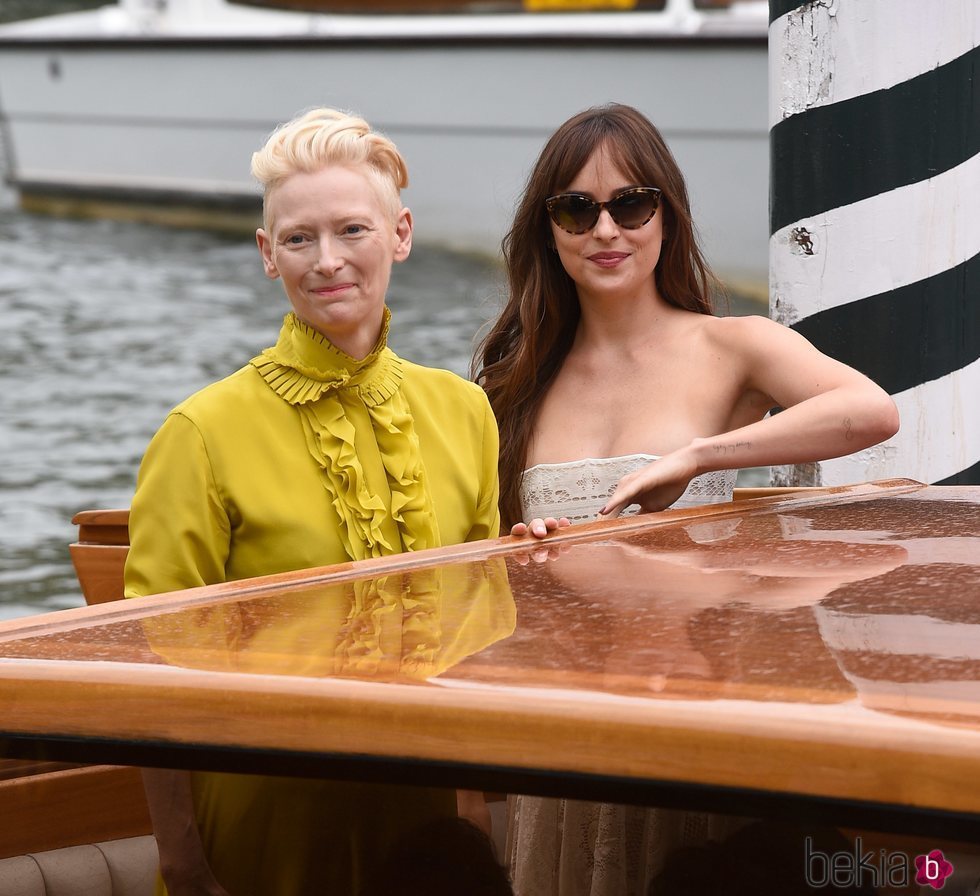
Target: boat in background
152, 108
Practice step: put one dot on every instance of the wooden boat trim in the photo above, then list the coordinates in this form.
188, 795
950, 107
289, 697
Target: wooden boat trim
826, 750
476, 550
71, 807
459, 727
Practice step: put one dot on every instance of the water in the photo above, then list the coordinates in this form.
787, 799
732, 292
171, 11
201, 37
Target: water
15, 10
105, 326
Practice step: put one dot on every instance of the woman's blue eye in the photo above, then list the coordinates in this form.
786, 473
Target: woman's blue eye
295, 239
353, 228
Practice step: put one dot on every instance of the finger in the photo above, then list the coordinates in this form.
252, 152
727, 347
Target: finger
623, 495
564, 522
652, 506
618, 501
518, 529
551, 524
538, 528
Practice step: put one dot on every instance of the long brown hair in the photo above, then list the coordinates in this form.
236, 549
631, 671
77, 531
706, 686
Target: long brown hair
525, 348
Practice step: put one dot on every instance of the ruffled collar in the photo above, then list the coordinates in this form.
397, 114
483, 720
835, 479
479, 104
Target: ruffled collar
304, 365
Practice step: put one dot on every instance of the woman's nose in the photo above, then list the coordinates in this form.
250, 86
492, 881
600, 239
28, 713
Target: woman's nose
328, 258
605, 228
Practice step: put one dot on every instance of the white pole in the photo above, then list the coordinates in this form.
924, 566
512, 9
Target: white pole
875, 220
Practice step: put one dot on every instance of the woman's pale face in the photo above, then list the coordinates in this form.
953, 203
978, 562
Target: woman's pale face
609, 261
332, 240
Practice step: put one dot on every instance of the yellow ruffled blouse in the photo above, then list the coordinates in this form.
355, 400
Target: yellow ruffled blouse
307, 457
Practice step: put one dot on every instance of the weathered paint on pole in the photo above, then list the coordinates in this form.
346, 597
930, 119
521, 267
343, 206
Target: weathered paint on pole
874, 253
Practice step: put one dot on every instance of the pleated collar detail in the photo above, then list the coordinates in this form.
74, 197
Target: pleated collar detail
304, 365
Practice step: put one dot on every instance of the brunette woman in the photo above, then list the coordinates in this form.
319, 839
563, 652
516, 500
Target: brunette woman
614, 384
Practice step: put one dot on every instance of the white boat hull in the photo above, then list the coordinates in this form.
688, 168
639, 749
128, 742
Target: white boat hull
179, 119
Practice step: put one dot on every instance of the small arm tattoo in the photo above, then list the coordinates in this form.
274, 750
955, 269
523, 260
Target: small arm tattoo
731, 449
848, 434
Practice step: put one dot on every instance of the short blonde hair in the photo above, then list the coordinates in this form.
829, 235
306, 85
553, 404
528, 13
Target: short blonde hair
322, 137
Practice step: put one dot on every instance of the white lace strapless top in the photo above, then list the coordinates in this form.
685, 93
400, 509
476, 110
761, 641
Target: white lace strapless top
579, 488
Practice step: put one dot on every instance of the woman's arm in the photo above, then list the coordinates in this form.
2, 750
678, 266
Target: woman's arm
179, 530
486, 517
183, 865
828, 410
179, 538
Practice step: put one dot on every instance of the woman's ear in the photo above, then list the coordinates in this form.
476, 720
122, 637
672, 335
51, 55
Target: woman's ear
403, 232
264, 242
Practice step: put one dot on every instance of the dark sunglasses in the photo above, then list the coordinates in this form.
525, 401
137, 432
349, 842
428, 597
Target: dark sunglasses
577, 213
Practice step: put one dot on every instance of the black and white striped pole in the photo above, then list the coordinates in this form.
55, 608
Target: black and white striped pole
874, 253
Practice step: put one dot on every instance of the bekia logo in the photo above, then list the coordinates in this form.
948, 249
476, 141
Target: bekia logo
884, 868
932, 869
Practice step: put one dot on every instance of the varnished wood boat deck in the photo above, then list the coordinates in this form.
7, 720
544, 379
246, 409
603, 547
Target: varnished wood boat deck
815, 653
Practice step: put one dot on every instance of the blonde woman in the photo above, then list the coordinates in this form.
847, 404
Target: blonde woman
324, 448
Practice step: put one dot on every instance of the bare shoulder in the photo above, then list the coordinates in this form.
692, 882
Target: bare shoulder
748, 327
748, 334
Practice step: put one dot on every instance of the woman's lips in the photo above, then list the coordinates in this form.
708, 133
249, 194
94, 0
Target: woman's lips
608, 259
333, 289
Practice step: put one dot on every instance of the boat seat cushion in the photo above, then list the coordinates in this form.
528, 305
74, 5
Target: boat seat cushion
114, 868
